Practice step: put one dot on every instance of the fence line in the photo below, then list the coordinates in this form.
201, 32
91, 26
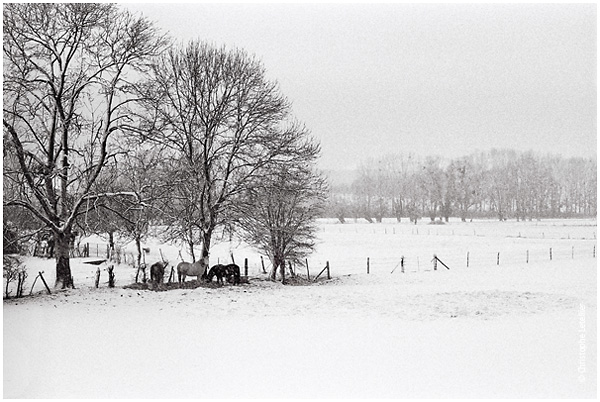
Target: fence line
583, 232
473, 260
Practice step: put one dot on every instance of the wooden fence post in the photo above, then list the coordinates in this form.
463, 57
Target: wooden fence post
467, 259
498, 259
326, 268
550, 253
368, 268
527, 256
97, 277
262, 263
20, 280
31, 291
245, 267
307, 270
43, 280
111, 277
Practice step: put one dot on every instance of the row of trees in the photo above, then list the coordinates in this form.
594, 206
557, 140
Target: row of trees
500, 183
111, 127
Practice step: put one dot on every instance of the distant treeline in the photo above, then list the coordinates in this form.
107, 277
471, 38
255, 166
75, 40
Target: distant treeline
499, 183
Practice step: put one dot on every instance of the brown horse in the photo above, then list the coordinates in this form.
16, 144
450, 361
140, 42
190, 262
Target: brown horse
197, 269
157, 271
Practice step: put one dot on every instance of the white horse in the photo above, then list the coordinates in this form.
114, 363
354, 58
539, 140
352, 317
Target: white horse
197, 269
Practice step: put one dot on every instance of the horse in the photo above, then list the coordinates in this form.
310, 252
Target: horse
233, 273
157, 271
219, 271
197, 269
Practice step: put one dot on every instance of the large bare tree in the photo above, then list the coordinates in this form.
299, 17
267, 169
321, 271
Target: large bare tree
280, 218
68, 70
220, 116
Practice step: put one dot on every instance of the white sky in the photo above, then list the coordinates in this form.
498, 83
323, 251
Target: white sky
442, 79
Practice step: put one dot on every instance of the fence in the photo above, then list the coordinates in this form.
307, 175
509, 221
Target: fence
473, 260
86, 250
546, 229
292, 270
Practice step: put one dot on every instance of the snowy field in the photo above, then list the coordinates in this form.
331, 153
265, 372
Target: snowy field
521, 328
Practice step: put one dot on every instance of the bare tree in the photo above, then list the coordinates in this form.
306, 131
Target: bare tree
67, 76
281, 209
433, 183
366, 190
217, 112
467, 185
131, 193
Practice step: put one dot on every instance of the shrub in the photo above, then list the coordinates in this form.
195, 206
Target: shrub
13, 269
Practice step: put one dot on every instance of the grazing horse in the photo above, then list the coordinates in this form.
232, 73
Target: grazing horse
219, 271
233, 273
197, 269
157, 271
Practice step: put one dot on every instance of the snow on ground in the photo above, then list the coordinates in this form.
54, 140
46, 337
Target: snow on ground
514, 330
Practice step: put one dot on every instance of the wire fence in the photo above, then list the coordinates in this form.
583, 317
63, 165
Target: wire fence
585, 230
463, 260
85, 250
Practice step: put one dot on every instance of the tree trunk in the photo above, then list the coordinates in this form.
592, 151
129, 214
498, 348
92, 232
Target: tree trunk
273, 273
278, 264
206, 236
111, 240
191, 248
63, 266
138, 245
282, 271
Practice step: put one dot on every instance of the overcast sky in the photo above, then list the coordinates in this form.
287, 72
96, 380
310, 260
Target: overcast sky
445, 79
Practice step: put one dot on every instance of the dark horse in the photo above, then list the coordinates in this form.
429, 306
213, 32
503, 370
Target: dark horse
231, 272
157, 271
218, 271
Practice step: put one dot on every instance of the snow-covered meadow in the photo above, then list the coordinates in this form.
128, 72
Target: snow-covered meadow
523, 328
